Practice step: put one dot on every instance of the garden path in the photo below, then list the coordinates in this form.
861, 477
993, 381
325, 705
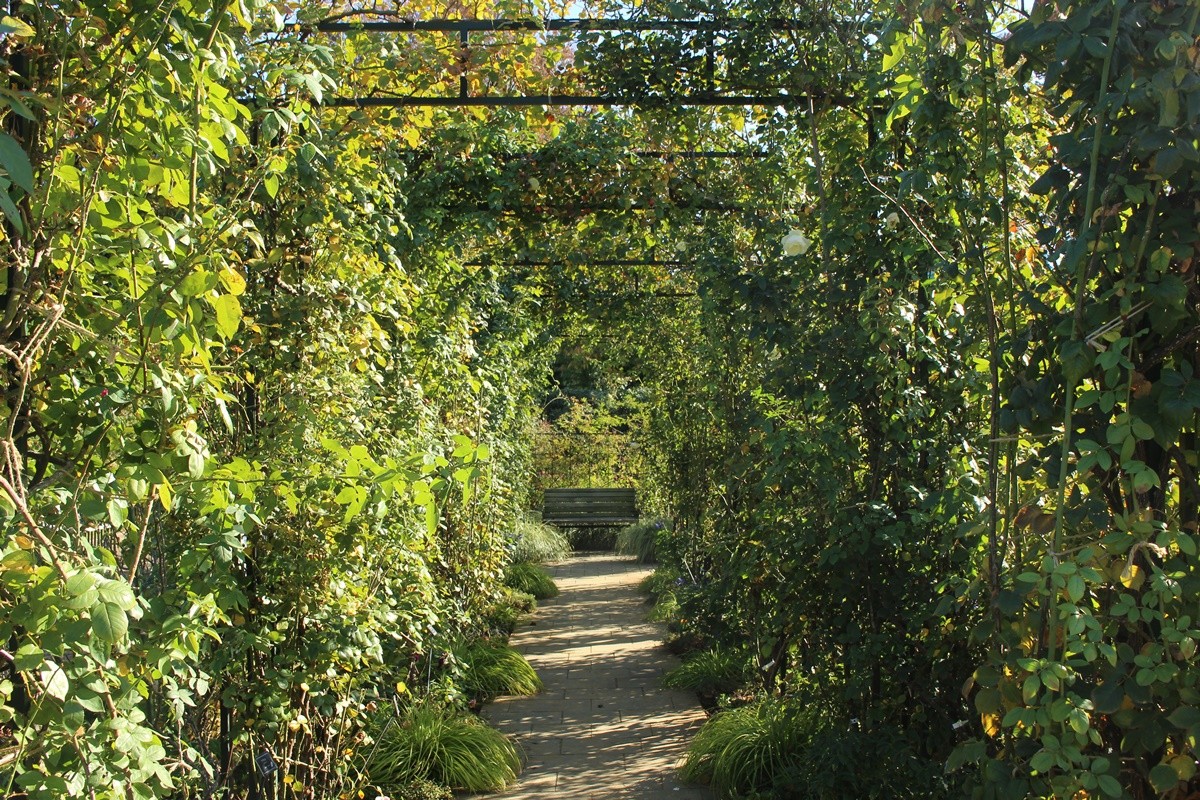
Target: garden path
604, 728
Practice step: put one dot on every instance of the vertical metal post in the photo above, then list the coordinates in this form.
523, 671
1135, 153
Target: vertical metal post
710, 57
464, 38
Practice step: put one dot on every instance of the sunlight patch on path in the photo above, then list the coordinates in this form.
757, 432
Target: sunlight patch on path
604, 728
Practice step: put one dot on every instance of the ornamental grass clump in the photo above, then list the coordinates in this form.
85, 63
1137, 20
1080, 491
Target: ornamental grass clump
432, 742
537, 543
748, 749
530, 579
711, 673
489, 669
641, 540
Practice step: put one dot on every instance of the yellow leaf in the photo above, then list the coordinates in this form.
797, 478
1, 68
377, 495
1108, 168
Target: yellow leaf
233, 281
16, 27
991, 724
1131, 576
1184, 766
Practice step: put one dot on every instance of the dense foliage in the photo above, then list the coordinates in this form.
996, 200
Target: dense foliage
909, 361
260, 459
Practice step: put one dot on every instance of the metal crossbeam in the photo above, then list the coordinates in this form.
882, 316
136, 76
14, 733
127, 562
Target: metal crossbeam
563, 262
584, 25
464, 28
598, 100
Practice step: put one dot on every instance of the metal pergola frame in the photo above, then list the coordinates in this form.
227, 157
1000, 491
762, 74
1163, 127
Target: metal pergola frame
464, 28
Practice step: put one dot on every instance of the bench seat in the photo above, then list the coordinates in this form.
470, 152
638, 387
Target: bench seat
590, 508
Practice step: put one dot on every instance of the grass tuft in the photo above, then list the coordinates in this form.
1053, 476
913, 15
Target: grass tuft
747, 749
711, 673
429, 742
530, 579
538, 543
641, 539
491, 669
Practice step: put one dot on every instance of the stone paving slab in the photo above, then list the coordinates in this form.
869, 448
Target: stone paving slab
604, 728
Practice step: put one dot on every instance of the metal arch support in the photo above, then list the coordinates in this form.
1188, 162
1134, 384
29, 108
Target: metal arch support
581, 25
711, 96
597, 100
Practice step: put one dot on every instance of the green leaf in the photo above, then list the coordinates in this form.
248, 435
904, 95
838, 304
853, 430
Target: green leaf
1169, 115
1185, 717
893, 56
196, 284
118, 593
196, 465
1109, 785
229, 314
1029, 690
1163, 777
28, 657
1108, 696
1076, 360
55, 682
1042, 761
118, 511
988, 701
12, 212
16, 27
15, 162
18, 561
109, 622
79, 583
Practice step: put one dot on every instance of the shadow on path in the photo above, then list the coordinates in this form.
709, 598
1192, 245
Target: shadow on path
604, 728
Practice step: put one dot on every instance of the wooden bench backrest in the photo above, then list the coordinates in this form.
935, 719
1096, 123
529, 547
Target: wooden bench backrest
582, 508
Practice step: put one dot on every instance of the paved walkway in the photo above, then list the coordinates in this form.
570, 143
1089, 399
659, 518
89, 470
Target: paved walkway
604, 728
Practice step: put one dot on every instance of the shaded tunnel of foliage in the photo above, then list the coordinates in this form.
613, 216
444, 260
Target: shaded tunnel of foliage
281, 379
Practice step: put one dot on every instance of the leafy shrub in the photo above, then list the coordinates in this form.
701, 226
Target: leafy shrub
711, 672
641, 540
435, 743
871, 765
660, 585
530, 579
502, 615
786, 749
538, 543
490, 669
750, 748
419, 789
665, 609
518, 600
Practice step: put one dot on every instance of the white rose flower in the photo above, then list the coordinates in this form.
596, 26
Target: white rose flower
891, 221
796, 243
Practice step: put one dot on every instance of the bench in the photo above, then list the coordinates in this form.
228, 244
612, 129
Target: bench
590, 508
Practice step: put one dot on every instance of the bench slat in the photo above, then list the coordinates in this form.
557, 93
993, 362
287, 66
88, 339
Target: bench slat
590, 507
